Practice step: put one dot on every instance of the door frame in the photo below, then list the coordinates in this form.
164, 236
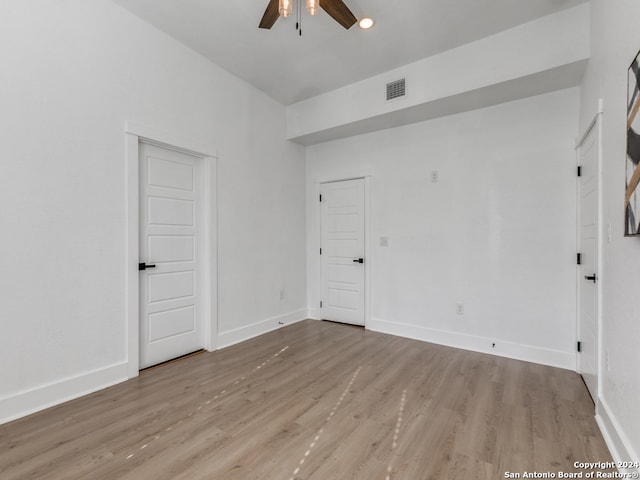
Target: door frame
135, 134
366, 176
596, 126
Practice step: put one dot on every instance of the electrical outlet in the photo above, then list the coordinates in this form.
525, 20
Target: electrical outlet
460, 308
434, 176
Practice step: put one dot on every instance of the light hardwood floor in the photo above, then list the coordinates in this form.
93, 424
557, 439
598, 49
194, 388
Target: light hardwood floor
321, 401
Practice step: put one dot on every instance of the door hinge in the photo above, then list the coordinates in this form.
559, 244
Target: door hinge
579, 170
320, 251
579, 259
320, 197
320, 303
579, 347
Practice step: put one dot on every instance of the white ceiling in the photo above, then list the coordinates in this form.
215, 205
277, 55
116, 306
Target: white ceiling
291, 68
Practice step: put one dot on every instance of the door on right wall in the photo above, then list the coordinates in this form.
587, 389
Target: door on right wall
342, 251
588, 275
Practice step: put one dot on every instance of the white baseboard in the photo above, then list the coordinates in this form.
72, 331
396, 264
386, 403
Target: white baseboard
25, 403
614, 436
528, 353
315, 314
237, 335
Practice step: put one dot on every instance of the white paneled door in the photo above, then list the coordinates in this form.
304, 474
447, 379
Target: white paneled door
171, 322
342, 251
589, 275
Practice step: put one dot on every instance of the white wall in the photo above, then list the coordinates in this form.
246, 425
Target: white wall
497, 231
537, 57
72, 73
615, 42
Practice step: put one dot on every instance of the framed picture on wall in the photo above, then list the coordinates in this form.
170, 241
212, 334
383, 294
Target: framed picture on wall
632, 193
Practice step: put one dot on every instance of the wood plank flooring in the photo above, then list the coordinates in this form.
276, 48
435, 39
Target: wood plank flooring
316, 401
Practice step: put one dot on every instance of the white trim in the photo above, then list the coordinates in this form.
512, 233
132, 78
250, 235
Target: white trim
132, 281
134, 134
617, 442
210, 249
368, 251
30, 401
343, 176
595, 122
528, 353
600, 283
578, 241
580, 140
154, 135
237, 335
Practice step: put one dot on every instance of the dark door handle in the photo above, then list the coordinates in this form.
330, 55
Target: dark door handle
144, 266
593, 278
358, 260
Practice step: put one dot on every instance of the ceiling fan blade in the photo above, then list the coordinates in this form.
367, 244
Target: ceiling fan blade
270, 16
340, 12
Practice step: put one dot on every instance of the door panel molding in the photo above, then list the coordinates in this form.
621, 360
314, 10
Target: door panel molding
345, 175
135, 133
171, 226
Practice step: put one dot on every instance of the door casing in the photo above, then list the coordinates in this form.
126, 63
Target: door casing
134, 134
595, 127
369, 260
359, 270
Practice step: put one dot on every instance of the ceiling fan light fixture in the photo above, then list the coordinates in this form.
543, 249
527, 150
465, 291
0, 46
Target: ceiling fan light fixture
285, 7
366, 23
312, 6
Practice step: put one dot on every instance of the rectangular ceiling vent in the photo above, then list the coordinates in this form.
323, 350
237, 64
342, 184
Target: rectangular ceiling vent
396, 89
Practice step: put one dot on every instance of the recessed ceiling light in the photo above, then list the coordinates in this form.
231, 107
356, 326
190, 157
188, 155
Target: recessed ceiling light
366, 23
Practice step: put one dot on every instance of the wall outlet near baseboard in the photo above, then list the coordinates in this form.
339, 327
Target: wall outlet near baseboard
459, 308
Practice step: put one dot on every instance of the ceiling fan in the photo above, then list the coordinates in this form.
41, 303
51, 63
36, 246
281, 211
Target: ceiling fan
336, 8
